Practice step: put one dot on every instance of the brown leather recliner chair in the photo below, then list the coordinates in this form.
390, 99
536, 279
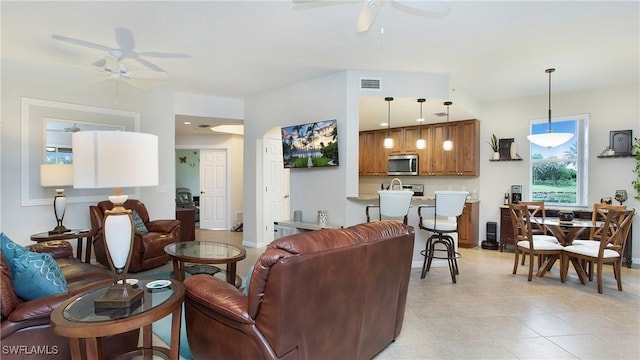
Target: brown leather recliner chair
26, 325
326, 294
148, 249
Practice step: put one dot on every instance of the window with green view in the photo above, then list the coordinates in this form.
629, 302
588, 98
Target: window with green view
558, 174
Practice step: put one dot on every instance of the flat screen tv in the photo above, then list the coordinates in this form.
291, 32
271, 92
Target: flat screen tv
310, 145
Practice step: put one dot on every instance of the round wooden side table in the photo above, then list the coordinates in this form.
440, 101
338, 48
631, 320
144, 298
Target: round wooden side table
79, 235
79, 320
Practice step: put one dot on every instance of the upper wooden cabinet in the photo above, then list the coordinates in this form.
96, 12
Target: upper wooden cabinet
373, 155
404, 140
463, 160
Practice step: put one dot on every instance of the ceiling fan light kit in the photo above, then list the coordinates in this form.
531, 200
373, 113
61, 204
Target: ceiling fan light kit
550, 139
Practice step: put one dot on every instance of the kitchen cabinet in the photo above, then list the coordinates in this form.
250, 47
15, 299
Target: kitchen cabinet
463, 159
404, 140
430, 160
468, 225
373, 155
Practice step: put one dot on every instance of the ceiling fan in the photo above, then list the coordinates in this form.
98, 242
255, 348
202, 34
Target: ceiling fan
370, 9
112, 65
74, 128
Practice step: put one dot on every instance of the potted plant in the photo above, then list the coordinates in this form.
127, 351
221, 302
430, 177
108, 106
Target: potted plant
636, 182
493, 142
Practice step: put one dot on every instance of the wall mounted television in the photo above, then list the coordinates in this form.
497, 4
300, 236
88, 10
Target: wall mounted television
310, 145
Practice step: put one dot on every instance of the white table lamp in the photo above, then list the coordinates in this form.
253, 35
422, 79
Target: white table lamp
116, 159
58, 176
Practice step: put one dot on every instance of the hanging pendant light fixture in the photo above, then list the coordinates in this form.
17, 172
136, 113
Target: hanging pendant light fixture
550, 139
447, 145
388, 142
420, 143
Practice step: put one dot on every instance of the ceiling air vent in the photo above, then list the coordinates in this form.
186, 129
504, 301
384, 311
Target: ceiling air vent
370, 84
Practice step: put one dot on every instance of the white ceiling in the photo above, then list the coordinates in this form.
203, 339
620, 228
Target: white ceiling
495, 50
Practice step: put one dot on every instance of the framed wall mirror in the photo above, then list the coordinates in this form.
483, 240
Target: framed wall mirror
47, 127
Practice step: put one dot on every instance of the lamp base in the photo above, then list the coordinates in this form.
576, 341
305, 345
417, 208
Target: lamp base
59, 230
119, 296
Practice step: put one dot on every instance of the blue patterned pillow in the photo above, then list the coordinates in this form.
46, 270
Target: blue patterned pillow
34, 274
138, 223
10, 249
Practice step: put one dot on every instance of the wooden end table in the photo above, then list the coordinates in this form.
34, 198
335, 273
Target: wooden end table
78, 235
205, 252
78, 320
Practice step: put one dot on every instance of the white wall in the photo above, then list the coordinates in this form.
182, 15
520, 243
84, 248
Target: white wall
156, 112
610, 109
234, 145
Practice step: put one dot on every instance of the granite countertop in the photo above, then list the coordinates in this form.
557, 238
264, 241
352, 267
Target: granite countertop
371, 197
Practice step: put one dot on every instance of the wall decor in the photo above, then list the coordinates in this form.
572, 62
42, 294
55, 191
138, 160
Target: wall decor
620, 142
35, 115
505, 148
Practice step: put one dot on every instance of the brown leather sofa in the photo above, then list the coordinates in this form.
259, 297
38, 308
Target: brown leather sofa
148, 249
25, 331
326, 294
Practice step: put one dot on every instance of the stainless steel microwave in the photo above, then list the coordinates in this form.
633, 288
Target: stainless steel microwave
402, 165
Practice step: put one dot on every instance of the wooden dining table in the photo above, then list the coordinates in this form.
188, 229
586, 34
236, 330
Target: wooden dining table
565, 232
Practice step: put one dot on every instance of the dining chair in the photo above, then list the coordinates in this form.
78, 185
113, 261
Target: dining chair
448, 207
540, 231
595, 234
615, 230
393, 204
525, 244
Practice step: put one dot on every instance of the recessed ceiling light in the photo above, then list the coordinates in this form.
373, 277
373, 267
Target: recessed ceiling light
187, 122
229, 129
384, 124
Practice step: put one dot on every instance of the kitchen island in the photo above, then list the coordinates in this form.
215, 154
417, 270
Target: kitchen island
468, 227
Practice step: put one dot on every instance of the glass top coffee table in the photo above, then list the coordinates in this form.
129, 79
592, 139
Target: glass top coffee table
207, 253
83, 324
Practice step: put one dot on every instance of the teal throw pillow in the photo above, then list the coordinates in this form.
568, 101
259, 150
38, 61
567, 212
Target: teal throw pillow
245, 291
10, 249
36, 275
138, 223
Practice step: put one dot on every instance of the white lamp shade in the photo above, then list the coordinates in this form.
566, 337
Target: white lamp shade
56, 175
388, 143
112, 159
421, 144
550, 139
447, 145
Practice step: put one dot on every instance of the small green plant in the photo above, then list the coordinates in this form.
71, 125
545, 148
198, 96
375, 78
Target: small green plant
494, 143
636, 182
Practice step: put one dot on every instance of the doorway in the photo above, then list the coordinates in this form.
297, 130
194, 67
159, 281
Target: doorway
213, 190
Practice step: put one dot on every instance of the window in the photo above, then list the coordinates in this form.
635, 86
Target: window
559, 175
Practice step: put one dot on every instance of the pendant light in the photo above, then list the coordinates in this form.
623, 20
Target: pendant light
420, 143
447, 145
550, 139
388, 142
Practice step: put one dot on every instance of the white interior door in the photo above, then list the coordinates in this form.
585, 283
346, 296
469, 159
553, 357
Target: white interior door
213, 190
276, 187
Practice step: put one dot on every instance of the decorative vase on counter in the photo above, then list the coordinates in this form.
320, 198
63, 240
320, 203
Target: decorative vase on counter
513, 151
322, 218
496, 155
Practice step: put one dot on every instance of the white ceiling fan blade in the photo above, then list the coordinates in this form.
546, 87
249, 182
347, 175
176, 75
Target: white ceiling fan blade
124, 38
165, 55
425, 8
81, 42
368, 14
150, 65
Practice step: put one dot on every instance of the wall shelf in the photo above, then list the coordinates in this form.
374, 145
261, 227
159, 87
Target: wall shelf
615, 156
519, 159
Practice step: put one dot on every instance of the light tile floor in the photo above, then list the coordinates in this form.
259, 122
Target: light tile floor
492, 314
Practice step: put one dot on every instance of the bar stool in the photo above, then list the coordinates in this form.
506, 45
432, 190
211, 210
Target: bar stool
392, 204
448, 206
